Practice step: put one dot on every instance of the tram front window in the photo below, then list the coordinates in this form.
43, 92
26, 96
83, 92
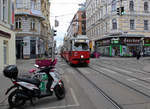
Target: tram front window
81, 47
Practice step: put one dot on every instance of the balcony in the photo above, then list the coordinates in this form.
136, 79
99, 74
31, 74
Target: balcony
30, 12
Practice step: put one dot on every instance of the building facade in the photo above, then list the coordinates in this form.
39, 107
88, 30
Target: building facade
103, 21
32, 28
7, 36
78, 24
46, 30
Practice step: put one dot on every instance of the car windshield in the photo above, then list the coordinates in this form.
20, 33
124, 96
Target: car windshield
80, 47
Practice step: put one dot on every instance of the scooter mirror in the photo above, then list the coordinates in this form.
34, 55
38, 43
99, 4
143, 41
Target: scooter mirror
36, 65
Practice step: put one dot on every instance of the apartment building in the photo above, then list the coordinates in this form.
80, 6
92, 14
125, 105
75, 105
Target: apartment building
46, 30
78, 24
32, 28
118, 35
7, 36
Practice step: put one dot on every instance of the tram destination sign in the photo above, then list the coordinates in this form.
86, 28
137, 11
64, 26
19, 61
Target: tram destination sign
80, 40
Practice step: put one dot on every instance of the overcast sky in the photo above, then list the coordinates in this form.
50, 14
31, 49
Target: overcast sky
64, 10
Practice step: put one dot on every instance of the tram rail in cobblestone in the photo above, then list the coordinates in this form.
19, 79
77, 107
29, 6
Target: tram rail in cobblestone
107, 97
125, 74
138, 91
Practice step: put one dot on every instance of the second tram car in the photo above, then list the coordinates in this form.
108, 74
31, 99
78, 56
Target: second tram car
76, 50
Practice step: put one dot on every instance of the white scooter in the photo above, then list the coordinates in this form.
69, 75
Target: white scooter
42, 84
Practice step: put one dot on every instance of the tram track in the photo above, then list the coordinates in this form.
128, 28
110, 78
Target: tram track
125, 74
103, 93
120, 82
107, 97
136, 71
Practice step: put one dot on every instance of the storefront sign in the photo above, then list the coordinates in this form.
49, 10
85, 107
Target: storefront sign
103, 42
4, 34
147, 41
131, 41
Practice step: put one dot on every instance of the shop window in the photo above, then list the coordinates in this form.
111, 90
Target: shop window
18, 23
32, 24
131, 6
114, 24
146, 6
145, 24
132, 25
5, 48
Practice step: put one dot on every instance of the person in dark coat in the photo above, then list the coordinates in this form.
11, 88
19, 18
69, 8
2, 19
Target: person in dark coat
138, 55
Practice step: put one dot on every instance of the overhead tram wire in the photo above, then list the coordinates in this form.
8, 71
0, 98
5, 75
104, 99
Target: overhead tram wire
65, 3
63, 15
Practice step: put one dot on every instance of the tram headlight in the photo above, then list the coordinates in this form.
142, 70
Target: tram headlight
82, 56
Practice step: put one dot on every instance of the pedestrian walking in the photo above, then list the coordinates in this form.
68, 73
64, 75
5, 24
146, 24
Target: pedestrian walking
138, 55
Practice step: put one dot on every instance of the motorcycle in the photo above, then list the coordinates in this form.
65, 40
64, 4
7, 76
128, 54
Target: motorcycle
42, 84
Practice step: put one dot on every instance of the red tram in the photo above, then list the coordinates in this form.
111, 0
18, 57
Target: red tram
76, 50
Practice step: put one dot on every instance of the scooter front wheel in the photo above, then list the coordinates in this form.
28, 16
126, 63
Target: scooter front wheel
60, 92
15, 100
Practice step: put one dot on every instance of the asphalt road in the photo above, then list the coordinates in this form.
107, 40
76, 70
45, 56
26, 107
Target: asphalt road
108, 83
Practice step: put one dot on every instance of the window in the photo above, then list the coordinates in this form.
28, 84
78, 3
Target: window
33, 4
80, 46
113, 7
18, 23
114, 24
0, 9
4, 9
145, 6
19, 4
83, 15
131, 6
5, 48
132, 24
32, 24
145, 24
106, 26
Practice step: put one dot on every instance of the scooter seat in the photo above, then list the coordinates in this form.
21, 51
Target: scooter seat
29, 80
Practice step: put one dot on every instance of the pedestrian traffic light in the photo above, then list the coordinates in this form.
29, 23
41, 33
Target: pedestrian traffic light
122, 11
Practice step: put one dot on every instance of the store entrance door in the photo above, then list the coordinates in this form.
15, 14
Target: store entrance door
32, 48
115, 50
19, 49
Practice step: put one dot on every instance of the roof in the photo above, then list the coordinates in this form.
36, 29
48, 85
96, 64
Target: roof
120, 35
80, 37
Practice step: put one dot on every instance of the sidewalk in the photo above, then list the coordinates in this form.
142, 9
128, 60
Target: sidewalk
23, 66
5, 83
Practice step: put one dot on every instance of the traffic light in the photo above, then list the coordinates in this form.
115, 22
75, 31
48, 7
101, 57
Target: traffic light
55, 32
118, 11
122, 11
